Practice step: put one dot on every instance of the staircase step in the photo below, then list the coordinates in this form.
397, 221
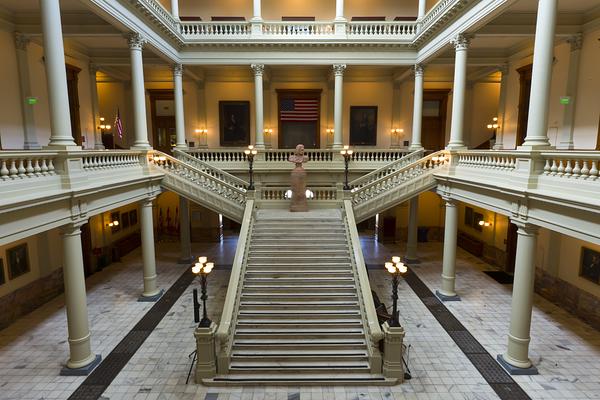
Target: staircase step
304, 343
270, 354
291, 305
295, 379
299, 273
299, 324
251, 366
299, 280
309, 288
307, 314
297, 297
300, 253
296, 259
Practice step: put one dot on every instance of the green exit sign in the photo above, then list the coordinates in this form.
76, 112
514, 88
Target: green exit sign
565, 100
31, 100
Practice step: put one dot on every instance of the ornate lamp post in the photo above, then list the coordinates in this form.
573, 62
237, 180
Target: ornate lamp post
250, 152
347, 153
396, 268
202, 268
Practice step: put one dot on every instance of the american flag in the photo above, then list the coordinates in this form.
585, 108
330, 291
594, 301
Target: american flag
299, 109
119, 124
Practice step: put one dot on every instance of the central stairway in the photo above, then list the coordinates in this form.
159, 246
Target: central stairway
299, 318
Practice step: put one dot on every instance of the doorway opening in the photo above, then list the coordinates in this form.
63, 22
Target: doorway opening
524, 96
73, 92
433, 131
162, 109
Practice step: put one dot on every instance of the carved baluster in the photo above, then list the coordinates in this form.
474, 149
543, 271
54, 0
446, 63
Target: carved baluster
585, 171
36, 167
13, 171
21, 169
576, 170
44, 167
51, 167
547, 167
4, 171
561, 168
29, 168
568, 169
594, 170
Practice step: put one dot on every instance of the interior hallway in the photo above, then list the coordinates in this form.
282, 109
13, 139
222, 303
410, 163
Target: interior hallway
30, 353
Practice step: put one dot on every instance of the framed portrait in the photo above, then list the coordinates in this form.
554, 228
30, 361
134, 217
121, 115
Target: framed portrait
363, 125
469, 216
17, 261
125, 220
590, 265
133, 217
234, 123
2, 276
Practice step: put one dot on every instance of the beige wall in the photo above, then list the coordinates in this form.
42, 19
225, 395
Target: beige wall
484, 98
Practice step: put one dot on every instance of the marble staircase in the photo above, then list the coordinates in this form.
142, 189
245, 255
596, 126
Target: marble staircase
299, 318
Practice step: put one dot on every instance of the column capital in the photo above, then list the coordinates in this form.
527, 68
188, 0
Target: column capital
419, 69
21, 41
576, 41
72, 229
135, 41
93, 68
448, 201
338, 69
525, 228
177, 69
148, 201
460, 42
503, 69
258, 69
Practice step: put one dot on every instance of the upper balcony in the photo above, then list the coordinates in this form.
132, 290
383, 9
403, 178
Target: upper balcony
310, 21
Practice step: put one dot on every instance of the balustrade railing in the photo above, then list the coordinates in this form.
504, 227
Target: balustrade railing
209, 169
99, 160
386, 170
26, 164
283, 193
381, 29
297, 28
218, 155
500, 160
574, 165
206, 30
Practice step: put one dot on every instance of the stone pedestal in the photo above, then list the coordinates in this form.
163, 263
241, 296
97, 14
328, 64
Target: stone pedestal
206, 366
298, 178
392, 352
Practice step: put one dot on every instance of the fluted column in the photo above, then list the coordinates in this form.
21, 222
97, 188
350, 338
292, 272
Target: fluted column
413, 223
81, 359
175, 8
566, 142
56, 75
417, 109
30, 141
136, 44
421, 10
502, 108
447, 292
541, 76
516, 359
184, 231
179, 113
151, 292
258, 70
460, 43
98, 145
338, 105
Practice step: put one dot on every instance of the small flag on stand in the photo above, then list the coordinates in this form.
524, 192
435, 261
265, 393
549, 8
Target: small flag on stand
119, 124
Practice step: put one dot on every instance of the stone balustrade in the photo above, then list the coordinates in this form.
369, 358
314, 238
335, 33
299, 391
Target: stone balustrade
386, 169
572, 165
280, 193
297, 28
215, 30
99, 160
211, 170
17, 165
500, 160
381, 29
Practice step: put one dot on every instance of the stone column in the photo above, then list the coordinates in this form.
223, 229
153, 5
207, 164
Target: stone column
516, 359
98, 145
338, 105
339, 10
417, 110
392, 352
421, 11
411, 243
81, 359
30, 141
179, 113
175, 8
56, 76
501, 108
566, 142
206, 365
184, 231
257, 10
447, 292
258, 70
151, 292
461, 43
541, 76
138, 98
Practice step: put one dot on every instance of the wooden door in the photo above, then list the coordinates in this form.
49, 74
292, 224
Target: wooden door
305, 128
162, 109
433, 124
511, 248
86, 247
72, 90
524, 96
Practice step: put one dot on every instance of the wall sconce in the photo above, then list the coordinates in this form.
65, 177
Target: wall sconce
494, 125
484, 223
396, 132
103, 127
203, 136
267, 138
113, 223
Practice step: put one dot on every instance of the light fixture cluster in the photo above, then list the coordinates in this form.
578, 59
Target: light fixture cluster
250, 151
113, 223
494, 124
484, 223
202, 266
201, 131
103, 126
396, 266
346, 151
397, 130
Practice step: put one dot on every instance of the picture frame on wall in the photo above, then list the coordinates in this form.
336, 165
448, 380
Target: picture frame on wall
234, 123
468, 216
125, 220
363, 125
133, 219
590, 265
17, 261
2, 276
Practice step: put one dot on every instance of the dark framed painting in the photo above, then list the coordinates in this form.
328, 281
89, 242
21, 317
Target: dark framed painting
125, 220
2, 276
469, 216
133, 217
363, 125
17, 261
590, 265
234, 123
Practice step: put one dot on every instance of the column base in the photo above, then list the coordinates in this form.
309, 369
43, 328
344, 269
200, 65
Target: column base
185, 260
534, 146
415, 147
443, 297
141, 147
83, 371
151, 299
66, 147
456, 146
32, 146
511, 369
259, 146
99, 147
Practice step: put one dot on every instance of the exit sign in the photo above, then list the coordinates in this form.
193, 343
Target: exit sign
565, 100
31, 100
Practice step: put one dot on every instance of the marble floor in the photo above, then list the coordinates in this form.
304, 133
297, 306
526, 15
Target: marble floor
565, 350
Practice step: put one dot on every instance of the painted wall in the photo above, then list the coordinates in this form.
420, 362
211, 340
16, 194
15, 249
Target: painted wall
484, 106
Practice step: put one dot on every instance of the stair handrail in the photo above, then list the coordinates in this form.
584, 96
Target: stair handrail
374, 331
224, 334
408, 171
387, 169
210, 169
